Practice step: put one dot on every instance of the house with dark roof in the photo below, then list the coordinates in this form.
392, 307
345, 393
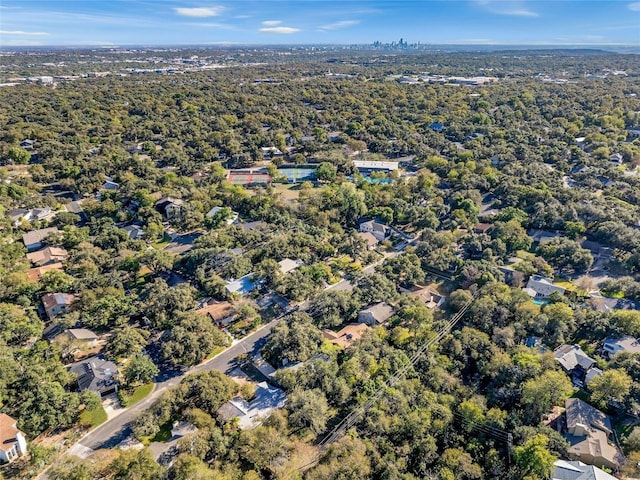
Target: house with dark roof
376, 314
96, 374
170, 207
590, 436
13, 443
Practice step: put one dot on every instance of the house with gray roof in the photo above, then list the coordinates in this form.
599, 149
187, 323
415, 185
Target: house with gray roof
96, 374
250, 414
589, 433
34, 240
628, 344
568, 470
574, 361
376, 314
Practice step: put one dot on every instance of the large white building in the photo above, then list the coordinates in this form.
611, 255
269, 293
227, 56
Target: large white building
541, 287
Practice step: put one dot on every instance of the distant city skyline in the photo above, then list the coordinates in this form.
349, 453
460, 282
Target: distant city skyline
182, 22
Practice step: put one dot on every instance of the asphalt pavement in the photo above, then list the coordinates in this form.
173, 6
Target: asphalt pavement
112, 432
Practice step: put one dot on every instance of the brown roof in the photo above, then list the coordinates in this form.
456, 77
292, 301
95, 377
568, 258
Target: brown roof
482, 227
347, 335
50, 300
47, 255
8, 432
368, 237
427, 295
34, 274
217, 311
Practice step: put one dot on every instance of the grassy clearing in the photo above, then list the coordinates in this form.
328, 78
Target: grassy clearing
164, 435
128, 398
93, 418
215, 352
160, 244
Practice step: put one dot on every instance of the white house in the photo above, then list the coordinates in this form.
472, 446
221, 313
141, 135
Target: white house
378, 230
616, 159
13, 444
288, 265
541, 287
567, 470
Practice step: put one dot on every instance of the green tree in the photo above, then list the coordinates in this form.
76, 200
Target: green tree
135, 465
326, 172
533, 459
191, 340
19, 155
140, 369
308, 409
541, 393
613, 385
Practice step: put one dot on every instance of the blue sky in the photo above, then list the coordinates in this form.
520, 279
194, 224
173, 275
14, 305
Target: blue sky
147, 22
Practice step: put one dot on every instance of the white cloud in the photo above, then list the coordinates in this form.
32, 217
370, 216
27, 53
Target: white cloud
338, 25
200, 12
635, 6
514, 8
219, 26
279, 30
23, 33
271, 23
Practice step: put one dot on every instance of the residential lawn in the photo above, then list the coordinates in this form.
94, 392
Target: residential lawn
215, 351
130, 398
618, 294
160, 244
93, 418
566, 284
164, 435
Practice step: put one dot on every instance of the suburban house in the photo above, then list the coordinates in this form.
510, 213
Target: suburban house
243, 285
333, 136
379, 230
33, 240
27, 144
34, 274
231, 220
628, 344
480, 228
13, 443
109, 184
347, 335
181, 428
288, 265
429, 296
375, 314
134, 232
616, 159
47, 256
567, 470
97, 375
270, 152
251, 414
370, 239
220, 313
169, 207
573, 361
540, 287
588, 433
17, 215
57, 303
82, 336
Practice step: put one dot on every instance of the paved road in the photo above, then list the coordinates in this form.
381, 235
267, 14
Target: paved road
112, 432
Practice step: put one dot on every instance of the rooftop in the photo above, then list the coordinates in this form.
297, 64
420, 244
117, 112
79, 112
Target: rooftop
8, 432
347, 335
